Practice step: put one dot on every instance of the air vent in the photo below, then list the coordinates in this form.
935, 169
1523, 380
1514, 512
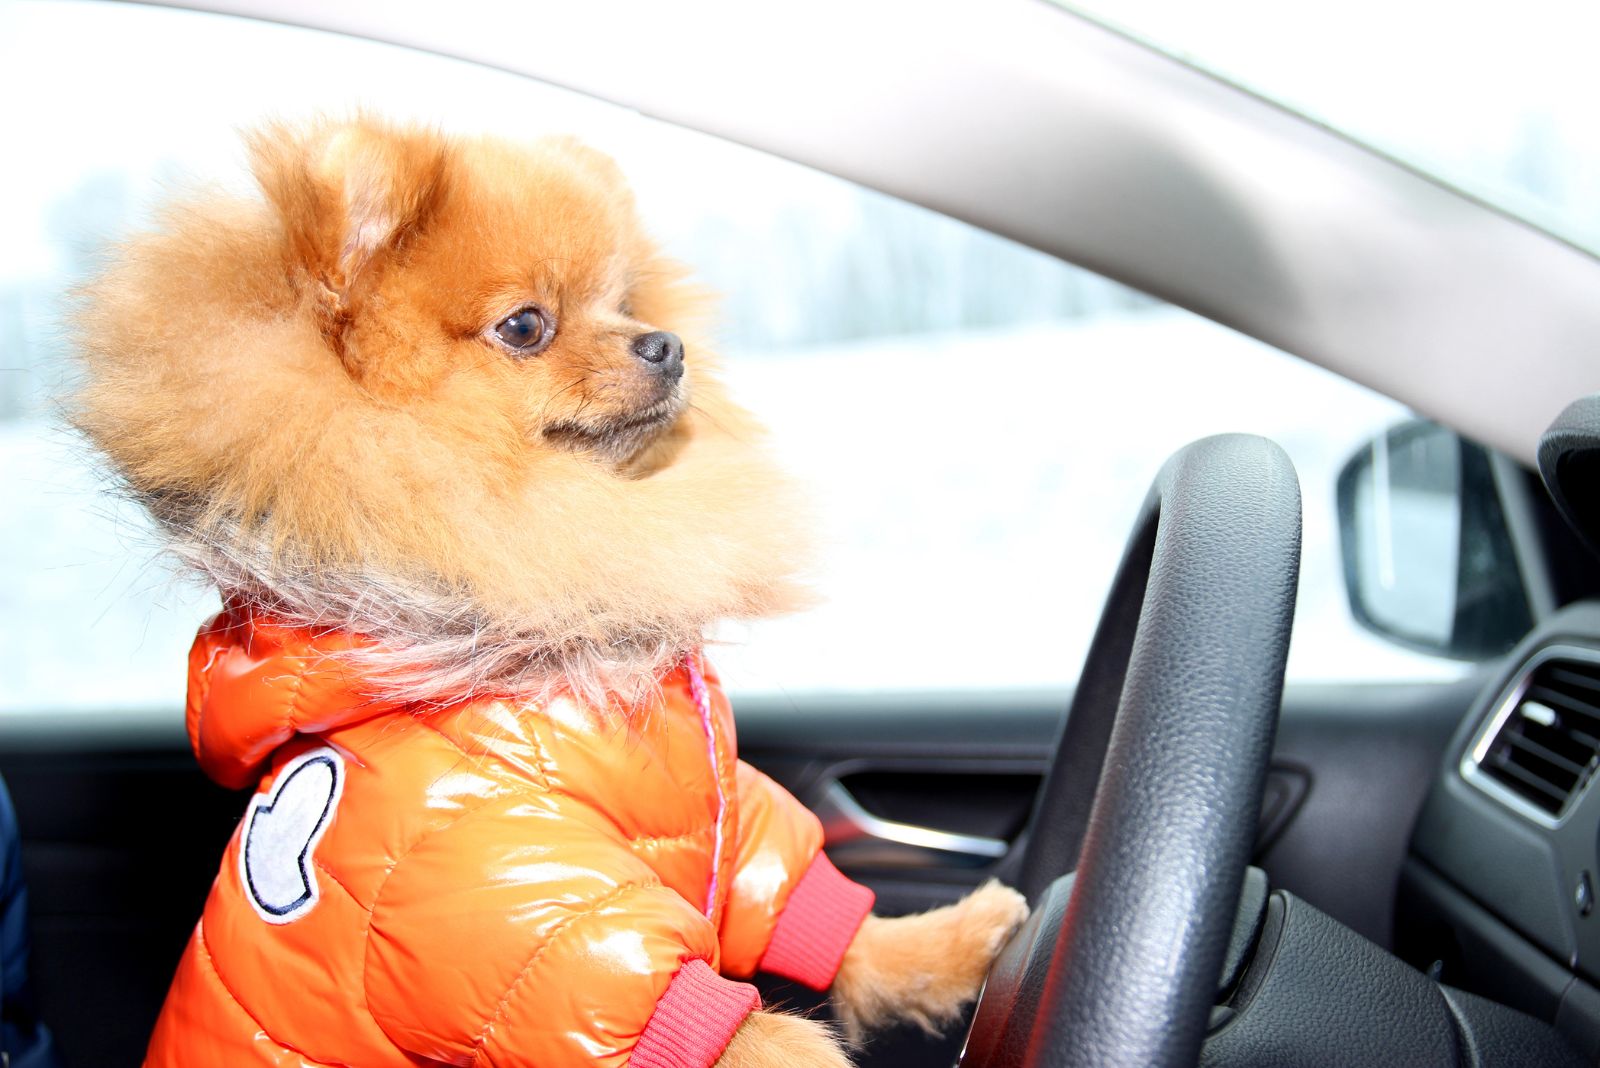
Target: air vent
1543, 744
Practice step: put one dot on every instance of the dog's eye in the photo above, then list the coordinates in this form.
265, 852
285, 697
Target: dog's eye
525, 332
625, 309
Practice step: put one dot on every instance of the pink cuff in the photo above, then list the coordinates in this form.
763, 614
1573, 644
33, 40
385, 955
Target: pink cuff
824, 912
694, 1020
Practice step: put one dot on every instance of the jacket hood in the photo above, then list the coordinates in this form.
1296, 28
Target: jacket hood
254, 683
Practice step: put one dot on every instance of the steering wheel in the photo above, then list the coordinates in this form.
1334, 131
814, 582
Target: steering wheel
1156, 786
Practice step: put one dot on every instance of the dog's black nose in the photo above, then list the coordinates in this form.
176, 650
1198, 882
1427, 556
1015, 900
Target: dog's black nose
661, 349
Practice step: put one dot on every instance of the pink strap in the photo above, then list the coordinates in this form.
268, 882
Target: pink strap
702, 702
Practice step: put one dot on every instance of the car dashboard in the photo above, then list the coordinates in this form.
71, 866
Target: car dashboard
1497, 892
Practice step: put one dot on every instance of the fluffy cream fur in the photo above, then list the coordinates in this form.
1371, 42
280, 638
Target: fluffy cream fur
924, 968
776, 1040
305, 395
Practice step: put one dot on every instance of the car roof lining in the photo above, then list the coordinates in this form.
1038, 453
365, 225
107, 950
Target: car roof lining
1037, 124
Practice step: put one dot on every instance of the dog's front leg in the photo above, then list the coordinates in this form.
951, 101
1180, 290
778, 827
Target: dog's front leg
779, 1040
924, 968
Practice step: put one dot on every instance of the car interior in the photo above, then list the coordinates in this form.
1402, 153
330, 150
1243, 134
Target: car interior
1224, 869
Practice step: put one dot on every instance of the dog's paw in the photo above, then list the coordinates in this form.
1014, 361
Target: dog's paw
992, 915
777, 1040
924, 968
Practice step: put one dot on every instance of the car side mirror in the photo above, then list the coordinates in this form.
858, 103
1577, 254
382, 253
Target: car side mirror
1428, 561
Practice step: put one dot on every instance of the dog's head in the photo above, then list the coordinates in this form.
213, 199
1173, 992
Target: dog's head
436, 390
516, 274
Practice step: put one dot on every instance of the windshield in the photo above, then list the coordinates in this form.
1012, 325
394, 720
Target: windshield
1495, 100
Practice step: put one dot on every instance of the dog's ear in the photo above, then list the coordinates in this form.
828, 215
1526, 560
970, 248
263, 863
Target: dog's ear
348, 194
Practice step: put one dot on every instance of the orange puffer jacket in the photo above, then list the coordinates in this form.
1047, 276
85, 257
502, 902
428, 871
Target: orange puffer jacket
486, 884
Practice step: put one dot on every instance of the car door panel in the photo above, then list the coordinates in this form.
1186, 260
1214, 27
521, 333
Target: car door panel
121, 837
1350, 767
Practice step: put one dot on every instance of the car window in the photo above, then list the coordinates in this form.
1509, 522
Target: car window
1496, 100
979, 421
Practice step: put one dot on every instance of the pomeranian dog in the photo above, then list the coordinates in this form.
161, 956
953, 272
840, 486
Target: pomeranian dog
432, 418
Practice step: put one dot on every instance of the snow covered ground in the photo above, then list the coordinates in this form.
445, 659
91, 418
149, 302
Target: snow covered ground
979, 490
976, 488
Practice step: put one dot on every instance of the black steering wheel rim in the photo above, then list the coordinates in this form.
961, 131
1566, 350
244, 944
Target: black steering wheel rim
1155, 793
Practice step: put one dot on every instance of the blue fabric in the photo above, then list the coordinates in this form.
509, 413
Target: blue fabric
22, 1036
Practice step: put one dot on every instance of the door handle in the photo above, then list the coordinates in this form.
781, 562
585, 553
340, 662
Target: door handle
853, 833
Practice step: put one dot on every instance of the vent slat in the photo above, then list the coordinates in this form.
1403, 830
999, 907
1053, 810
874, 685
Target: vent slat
1547, 748
1549, 756
1556, 796
1566, 702
1574, 678
1558, 741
